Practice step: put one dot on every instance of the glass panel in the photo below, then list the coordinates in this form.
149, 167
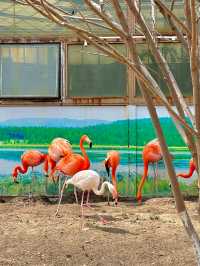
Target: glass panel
178, 62
92, 74
29, 70
180, 66
162, 25
21, 20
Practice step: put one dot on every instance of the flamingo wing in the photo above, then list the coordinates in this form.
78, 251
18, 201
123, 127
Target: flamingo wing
114, 158
152, 152
86, 180
70, 166
32, 158
59, 148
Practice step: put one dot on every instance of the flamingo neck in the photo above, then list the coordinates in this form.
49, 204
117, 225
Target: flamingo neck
114, 168
146, 166
102, 189
45, 156
86, 159
46, 163
18, 169
187, 175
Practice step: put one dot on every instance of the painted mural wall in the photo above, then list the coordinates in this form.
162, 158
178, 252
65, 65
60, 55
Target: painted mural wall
126, 129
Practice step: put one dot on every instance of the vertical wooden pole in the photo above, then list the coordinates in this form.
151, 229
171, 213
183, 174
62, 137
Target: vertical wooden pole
63, 71
131, 75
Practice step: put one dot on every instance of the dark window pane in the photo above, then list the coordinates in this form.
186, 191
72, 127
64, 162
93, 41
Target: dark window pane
92, 74
178, 62
29, 70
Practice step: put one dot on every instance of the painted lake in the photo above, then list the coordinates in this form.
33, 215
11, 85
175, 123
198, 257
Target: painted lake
131, 162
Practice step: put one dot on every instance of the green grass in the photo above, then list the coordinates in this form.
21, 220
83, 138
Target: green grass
39, 186
126, 187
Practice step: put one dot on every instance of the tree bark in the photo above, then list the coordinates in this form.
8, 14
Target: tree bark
180, 205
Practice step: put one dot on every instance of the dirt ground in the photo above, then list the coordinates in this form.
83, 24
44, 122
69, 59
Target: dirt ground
150, 234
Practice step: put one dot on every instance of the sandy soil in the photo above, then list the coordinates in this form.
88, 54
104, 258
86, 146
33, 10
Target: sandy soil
150, 234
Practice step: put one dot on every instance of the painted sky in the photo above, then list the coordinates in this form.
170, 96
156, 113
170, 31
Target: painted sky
81, 112
108, 113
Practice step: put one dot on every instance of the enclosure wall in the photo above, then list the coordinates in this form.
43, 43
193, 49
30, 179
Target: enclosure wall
123, 128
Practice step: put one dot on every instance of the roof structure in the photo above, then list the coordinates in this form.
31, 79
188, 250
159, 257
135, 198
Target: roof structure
20, 20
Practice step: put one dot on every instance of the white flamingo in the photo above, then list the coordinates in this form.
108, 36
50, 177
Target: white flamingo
87, 180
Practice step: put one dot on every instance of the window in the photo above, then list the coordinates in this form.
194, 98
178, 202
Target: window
29, 70
91, 74
178, 62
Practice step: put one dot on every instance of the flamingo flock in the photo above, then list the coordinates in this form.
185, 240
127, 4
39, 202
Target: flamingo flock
61, 159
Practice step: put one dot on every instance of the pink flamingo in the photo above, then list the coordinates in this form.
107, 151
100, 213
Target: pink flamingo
112, 161
87, 180
71, 164
151, 154
29, 158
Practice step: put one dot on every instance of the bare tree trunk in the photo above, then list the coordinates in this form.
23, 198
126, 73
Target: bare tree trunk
180, 205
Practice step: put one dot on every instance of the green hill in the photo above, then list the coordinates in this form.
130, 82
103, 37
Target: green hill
119, 133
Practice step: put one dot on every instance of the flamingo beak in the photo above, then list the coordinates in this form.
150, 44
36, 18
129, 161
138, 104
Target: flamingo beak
90, 144
14, 176
15, 180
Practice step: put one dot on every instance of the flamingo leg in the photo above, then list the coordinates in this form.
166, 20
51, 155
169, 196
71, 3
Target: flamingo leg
139, 192
82, 210
87, 204
108, 199
87, 200
59, 183
61, 195
75, 194
156, 177
33, 182
155, 181
108, 195
82, 214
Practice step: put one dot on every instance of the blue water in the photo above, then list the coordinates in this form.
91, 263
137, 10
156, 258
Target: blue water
131, 163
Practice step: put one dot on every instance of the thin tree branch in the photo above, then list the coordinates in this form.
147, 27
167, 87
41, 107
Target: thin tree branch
171, 14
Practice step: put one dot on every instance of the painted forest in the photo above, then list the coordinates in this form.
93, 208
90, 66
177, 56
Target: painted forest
119, 133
